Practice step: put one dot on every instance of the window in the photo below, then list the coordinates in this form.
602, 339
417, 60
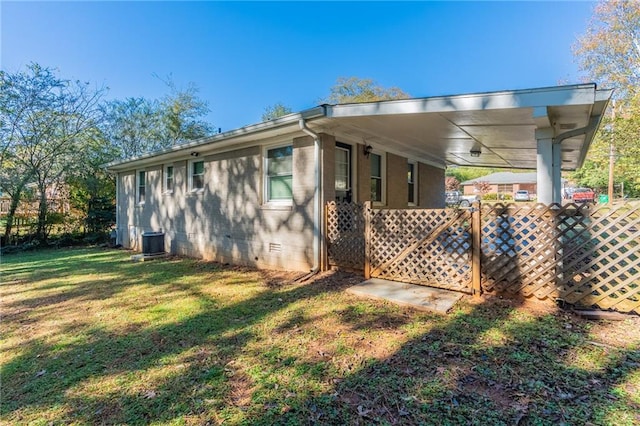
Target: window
168, 179
411, 183
377, 178
142, 186
279, 169
196, 175
505, 188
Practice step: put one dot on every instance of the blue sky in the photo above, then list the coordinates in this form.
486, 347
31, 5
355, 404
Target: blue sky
245, 56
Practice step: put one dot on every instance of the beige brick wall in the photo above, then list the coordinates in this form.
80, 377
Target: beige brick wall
397, 187
227, 221
328, 167
430, 187
363, 174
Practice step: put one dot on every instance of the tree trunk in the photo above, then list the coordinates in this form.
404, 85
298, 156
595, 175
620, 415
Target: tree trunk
15, 200
41, 232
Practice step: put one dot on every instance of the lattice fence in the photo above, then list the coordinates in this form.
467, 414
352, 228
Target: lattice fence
601, 256
519, 247
430, 247
584, 255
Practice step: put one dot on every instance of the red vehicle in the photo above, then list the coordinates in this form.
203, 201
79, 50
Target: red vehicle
583, 195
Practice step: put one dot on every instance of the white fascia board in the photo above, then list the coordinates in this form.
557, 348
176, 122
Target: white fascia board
603, 97
583, 94
218, 141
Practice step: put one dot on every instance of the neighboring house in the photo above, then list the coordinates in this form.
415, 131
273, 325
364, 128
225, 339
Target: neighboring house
256, 195
57, 200
503, 183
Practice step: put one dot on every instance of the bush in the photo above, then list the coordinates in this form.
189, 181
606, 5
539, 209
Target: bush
492, 196
96, 238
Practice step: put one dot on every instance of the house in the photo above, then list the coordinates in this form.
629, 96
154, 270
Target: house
503, 183
256, 195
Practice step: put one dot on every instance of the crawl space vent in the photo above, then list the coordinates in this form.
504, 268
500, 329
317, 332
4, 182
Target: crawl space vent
275, 248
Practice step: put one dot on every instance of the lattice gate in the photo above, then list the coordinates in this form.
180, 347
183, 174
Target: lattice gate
430, 247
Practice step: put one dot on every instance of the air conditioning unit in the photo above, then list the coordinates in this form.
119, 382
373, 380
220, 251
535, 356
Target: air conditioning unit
152, 243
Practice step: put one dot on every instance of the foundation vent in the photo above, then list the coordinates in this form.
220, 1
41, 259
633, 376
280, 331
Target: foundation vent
275, 248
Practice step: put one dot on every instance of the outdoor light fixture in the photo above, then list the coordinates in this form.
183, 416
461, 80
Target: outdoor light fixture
194, 153
367, 150
475, 152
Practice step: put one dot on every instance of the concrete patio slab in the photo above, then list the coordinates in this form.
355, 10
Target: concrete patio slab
415, 296
147, 257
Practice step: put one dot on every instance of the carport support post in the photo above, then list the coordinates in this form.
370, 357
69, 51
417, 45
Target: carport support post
556, 152
367, 239
545, 165
475, 250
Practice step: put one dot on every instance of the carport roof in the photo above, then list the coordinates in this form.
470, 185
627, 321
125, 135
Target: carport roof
440, 131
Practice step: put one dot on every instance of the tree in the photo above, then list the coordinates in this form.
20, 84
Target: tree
274, 111
91, 188
133, 127
354, 90
46, 120
610, 54
181, 112
482, 187
451, 183
610, 49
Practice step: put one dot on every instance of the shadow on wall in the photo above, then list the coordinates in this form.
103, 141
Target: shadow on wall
228, 221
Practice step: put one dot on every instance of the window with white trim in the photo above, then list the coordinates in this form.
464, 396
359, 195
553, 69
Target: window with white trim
411, 183
279, 174
141, 186
168, 179
377, 178
196, 175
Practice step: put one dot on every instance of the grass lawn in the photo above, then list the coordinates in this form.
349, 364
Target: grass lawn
89, 337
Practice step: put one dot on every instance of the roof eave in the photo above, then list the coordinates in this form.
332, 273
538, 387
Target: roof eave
578, 94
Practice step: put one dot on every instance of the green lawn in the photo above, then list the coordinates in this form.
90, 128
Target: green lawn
89, 337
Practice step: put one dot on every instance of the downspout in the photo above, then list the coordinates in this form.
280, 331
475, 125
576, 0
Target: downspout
317, 219
118, 236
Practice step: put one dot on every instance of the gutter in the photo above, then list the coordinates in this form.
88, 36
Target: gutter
593, 124
317, 218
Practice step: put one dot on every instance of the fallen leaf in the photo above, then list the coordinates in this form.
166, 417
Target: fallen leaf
150, 394
363, 412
